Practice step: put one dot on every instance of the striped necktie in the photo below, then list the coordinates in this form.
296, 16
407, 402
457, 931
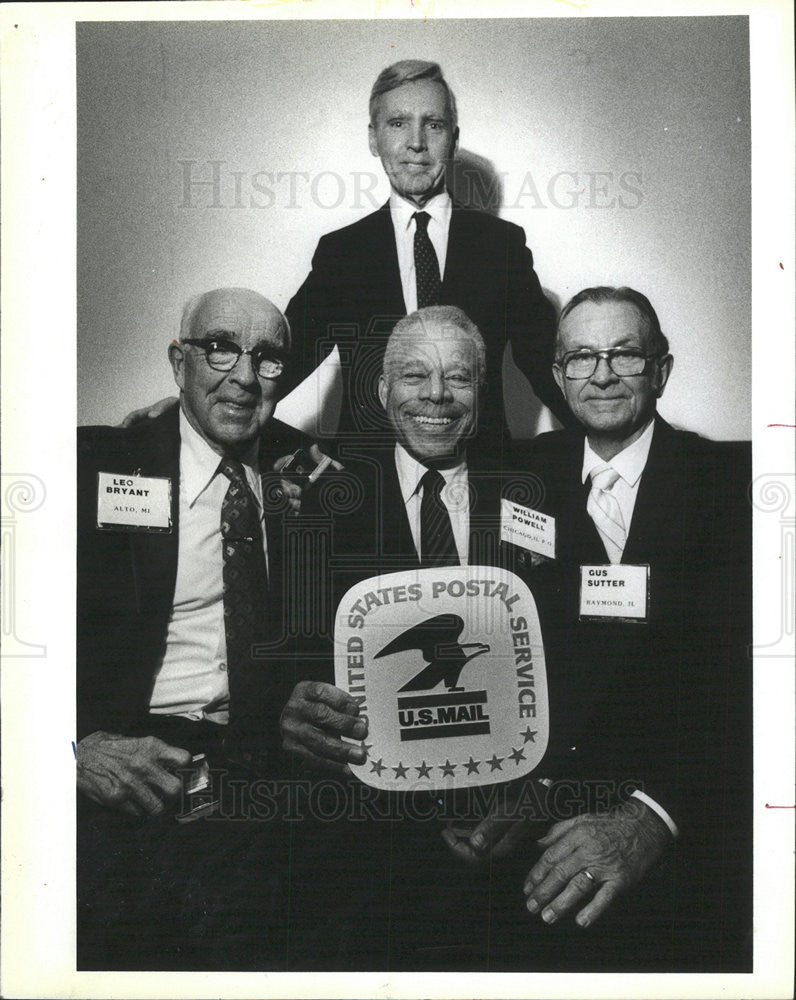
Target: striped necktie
603, 508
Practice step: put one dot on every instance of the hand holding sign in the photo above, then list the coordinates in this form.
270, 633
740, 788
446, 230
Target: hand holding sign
314, 719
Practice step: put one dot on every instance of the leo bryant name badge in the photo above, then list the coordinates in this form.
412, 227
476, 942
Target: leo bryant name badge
614, 591
447, 666
528, 528
133, 503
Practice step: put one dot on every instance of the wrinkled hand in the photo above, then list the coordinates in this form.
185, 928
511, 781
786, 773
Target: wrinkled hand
132, 774
149, 412
292, 490
616, 848
314, 719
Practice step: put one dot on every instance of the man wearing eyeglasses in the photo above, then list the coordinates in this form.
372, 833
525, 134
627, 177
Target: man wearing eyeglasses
647, 617
180, 593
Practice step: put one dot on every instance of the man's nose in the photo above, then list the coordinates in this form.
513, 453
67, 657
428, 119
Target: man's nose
436, 388
243, 373
603, 375
416, 138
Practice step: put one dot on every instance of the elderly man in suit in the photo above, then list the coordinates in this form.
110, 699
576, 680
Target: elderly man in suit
648, 618
180, 592
420, 249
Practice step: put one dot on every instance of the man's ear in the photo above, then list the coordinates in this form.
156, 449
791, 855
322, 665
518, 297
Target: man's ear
177, 362
455, 140
664, 370
383, 391
372, 140
558, 375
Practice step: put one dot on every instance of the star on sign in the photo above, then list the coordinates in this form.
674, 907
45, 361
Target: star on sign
530, 735
400, 771
472, 766
516, 755
496, 763
378, 766
424, 771
447, 768
366, 746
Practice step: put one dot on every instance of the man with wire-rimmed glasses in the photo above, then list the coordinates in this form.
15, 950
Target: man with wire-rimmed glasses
647, 615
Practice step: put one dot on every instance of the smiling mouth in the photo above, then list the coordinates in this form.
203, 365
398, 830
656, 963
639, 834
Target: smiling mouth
424, 421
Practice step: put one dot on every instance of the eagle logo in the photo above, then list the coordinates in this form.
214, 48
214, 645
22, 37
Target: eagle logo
437, 639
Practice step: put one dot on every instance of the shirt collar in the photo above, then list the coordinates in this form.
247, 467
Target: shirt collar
439, 208
410, 472
199, 464
629, 463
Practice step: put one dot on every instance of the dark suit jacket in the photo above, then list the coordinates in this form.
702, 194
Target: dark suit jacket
352, 297
126, 580
666, 705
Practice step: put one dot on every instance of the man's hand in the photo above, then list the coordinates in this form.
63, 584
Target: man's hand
132, 774
616, 849
149, 412
315, 718
293, 490
497, 836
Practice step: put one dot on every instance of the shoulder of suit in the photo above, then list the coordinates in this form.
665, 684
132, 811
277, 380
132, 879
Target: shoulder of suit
367, 224
105, 441
485, 222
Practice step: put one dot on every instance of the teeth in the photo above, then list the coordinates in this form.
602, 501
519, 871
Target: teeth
437, 421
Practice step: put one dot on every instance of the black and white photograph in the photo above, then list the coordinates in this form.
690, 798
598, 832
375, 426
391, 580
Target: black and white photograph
419, 381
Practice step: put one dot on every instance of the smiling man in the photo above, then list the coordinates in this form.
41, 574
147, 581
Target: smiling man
417, 250
180, 590
647, 615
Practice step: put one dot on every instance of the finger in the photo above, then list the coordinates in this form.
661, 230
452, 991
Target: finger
510, 840
323, 717
580, 887
606, 894
489, 833
323, 745
170, 756
552, 857
313, 761
460, 848
330, 695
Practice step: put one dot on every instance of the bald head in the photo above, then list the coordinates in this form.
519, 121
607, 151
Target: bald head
229, 408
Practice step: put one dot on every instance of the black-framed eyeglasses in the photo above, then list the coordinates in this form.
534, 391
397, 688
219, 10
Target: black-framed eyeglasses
622, 361
222, 355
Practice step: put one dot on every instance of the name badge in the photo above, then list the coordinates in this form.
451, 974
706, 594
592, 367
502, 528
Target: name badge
528, 528
133, 503
614, 591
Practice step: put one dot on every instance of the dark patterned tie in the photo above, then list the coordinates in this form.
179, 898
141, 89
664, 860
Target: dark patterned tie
426, 264
245, 590
437, 546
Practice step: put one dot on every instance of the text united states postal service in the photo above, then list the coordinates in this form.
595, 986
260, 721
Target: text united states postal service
448, 667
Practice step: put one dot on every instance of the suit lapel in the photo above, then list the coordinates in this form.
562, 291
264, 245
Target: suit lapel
153, 554
379, 263
396, 535
651, 526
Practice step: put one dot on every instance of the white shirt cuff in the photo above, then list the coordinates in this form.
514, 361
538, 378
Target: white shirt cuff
667, 819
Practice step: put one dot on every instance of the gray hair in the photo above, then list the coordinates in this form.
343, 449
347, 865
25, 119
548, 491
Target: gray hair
195, 303
601, 294
407, 71
449, 319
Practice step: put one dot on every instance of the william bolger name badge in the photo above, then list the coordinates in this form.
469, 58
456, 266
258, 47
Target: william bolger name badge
448, 667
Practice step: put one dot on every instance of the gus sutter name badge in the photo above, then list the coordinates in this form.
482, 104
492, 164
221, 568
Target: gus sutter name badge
447, 666
614, 591
133, 503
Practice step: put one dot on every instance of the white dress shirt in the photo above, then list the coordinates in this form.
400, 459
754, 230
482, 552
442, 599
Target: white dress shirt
192, 678
455, 495
629, 463
401, 212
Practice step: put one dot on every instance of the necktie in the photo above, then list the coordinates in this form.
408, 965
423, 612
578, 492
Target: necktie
603, 508
426, 264
437, 546
245, 588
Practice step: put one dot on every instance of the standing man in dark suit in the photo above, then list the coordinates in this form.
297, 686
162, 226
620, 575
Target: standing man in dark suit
417, 250
647, 609
180, 593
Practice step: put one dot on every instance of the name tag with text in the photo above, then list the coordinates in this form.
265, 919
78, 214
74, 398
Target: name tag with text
614, 591
528, 528
133, 503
